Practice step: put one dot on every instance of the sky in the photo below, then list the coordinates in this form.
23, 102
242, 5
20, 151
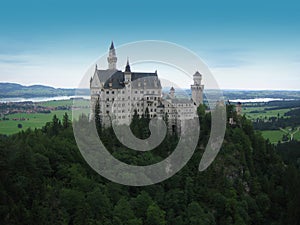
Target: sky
246, 44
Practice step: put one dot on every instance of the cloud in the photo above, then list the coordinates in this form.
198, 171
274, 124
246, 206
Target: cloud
226, 57
15, 59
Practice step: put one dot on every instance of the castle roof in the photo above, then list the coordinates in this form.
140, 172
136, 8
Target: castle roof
197, 74
139, 80
112, 46
127, 68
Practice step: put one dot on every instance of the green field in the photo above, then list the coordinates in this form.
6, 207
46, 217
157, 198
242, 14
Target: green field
273, 135
262, 113
38, 120
67, 103
276, 135
297, 136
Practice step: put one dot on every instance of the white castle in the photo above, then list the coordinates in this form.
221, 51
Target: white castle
121, 94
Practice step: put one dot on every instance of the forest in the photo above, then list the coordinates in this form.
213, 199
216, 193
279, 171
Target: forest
45, 180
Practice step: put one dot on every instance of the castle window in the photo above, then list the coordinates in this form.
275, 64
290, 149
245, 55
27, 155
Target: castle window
153, 92
154, 110
107, 99
107, 112
123, 99
113, 99
142, 92
123, 92
113, 92
107, 92
135, 92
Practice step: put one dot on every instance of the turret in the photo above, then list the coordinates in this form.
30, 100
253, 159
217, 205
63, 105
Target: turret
172, 92
197, 77
239, 108
197, 89
127, 73
112, 58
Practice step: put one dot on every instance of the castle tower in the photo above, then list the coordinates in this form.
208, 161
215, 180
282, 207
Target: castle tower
172, 92
197, 89
239, 108
112, 57
127, 73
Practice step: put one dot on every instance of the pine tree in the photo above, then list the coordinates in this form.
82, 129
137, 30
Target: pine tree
97, 116
66, 121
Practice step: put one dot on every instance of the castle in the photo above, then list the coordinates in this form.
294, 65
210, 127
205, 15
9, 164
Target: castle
121, 94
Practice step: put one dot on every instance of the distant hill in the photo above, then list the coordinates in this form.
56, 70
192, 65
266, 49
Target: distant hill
11, 90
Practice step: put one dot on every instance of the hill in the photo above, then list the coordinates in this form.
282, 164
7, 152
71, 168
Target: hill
45, 180
12, 90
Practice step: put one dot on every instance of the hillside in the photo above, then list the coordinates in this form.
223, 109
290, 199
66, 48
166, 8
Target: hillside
44, 180
11, 90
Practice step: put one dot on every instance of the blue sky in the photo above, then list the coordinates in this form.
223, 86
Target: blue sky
246, 44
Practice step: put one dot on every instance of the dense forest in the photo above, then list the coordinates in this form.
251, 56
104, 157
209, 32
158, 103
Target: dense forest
45, 180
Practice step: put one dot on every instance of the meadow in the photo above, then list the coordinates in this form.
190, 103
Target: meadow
38, 120
263, 112
273, 135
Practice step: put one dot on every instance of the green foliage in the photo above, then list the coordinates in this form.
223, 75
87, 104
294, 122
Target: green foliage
45, 180
155, 216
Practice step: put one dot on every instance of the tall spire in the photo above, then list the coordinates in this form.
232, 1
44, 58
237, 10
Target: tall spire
112, 57
112, 46
127, 68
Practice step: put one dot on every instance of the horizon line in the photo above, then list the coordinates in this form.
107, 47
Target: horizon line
222, 89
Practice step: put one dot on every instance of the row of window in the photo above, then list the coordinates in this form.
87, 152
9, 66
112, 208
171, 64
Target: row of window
136, 92
134, 98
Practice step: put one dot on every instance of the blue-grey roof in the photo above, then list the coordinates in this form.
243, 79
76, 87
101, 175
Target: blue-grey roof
116, 78
112, 45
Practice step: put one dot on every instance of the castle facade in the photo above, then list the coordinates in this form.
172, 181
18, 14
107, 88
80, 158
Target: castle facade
120, 94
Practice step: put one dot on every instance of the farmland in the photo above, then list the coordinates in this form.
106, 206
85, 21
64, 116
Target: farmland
276, 117
16, 122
